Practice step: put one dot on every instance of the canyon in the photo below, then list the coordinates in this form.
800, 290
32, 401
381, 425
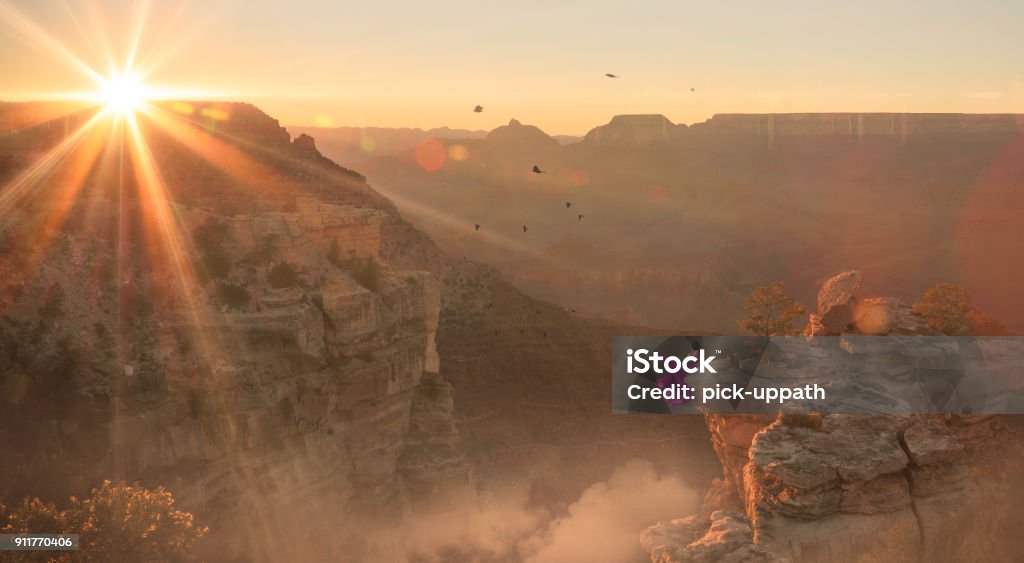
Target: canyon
154, 335
680, 222
378, 380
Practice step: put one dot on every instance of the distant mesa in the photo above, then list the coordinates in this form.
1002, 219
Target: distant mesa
634, 130
515, 134
860, 124
640, 130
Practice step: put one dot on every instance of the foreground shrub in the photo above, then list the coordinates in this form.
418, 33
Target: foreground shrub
118, 522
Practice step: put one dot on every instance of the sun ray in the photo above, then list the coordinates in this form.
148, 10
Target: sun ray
73, 174
225, 157
140, 11
202, 320
33, 177
146, 225
96, 40
36, 36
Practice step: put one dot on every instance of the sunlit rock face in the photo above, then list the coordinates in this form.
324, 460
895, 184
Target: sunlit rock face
262, 403
306, 402
309, 405
853, 487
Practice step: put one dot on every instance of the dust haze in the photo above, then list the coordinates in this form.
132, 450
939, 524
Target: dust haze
603, 524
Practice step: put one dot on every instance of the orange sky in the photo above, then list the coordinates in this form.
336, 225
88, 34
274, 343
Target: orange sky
426, 64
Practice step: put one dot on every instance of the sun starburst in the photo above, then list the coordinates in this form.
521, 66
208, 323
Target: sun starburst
122, 93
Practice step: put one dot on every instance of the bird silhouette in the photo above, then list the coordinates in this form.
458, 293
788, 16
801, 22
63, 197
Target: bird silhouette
568, 204
537, 170
524, 228
610, 75
579, 217
476, 226
478, 109
693, 89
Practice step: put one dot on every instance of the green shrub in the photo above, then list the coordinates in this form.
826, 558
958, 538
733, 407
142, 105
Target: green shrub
283, 275
366, 271
264, 250
365, 356
215, 265
53, 305
210, 238
234, 296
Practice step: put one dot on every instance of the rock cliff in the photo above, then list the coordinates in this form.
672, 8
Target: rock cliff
301, 403
851, 487
326, 367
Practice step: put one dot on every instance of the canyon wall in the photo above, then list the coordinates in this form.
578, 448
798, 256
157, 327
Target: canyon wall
306, 409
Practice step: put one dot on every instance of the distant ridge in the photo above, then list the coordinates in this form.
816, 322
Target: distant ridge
850, 123
646, 129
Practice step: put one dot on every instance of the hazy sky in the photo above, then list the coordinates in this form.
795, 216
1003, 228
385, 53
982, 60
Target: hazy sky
427, 63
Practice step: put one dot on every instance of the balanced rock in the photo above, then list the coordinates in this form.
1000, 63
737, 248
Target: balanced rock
837, 301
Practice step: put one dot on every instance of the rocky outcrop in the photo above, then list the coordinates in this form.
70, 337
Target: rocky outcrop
837, 301
858, 488
719, 537
878, 316
852, 487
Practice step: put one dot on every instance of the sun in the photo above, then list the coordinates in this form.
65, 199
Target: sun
122, 93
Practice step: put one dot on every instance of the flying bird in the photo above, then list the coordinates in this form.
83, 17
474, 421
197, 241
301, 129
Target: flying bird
476, 226
537, 170
579, 217
568, 204
478, 109
610, 75
524, 228
693, 89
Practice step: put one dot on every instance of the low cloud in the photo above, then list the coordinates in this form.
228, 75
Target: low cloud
604, 524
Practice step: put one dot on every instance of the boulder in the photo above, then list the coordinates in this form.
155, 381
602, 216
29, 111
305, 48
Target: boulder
929, 442
837, 301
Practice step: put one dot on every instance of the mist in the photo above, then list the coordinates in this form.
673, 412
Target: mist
604, 523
